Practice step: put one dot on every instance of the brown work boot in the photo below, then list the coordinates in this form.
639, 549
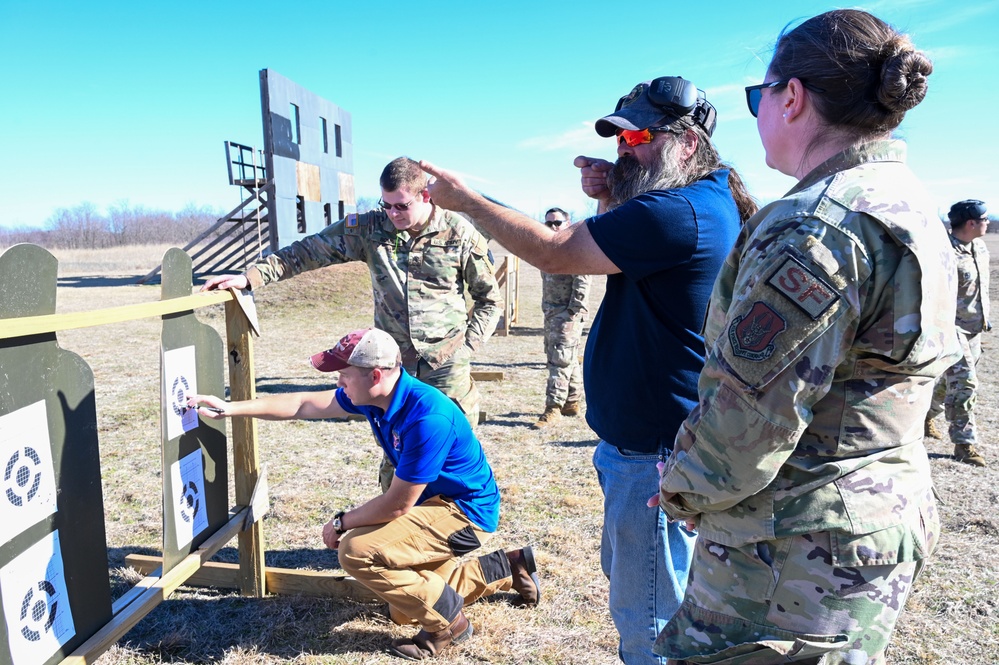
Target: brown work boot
525, 576
427, 645
571, 409
551, 415
930, 430
966, 453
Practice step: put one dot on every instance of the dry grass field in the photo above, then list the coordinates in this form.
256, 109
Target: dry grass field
550, 494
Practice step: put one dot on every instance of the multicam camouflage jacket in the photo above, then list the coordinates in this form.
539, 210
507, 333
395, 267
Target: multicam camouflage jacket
418, 282
972, 285
560, 293
826, 328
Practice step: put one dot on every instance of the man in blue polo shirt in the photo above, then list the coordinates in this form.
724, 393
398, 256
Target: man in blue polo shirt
668, 212
443, 492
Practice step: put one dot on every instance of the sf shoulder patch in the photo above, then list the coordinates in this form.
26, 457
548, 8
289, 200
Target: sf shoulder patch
351, 220
752, 334
809, 292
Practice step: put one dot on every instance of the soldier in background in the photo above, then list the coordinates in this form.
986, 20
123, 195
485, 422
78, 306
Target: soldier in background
422, 260
563, 300
956, 392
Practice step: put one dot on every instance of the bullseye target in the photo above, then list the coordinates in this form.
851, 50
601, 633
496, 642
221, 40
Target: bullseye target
178, 395
38, 610
36, 602
23, 476
27, 472
190, 511
190, 502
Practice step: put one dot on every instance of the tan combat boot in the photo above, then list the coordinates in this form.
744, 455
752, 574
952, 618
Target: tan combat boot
966, 453
427, 645
551, 414
571, 409
524, 571
930, 430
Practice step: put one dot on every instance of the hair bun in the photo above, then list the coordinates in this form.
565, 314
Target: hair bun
903, 76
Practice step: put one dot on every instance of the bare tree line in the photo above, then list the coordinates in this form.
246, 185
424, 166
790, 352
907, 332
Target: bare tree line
85, 226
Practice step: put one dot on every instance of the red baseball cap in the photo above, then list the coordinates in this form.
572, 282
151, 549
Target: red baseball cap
367, 348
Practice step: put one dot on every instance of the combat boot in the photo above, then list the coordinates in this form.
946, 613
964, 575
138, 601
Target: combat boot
427, 645
524, 571
966, 453
571, 408
551, 414
930, 430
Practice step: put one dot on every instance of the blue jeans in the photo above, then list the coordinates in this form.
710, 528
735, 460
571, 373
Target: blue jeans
645, 557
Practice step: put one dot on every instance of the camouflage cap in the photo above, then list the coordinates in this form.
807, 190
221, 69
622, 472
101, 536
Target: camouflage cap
367, 348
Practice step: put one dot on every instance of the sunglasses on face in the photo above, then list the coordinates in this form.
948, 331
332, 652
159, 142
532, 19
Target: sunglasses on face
401, 207
557, 222
754, 93
633, 137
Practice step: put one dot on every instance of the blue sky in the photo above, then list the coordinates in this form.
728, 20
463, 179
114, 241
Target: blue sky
129, 101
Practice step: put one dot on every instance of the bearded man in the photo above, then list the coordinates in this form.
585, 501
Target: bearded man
669, 211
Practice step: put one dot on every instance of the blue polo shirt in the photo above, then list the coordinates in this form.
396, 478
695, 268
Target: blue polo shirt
645, 351
429, 440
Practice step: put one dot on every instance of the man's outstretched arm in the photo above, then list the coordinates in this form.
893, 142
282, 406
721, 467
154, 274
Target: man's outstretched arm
568, 251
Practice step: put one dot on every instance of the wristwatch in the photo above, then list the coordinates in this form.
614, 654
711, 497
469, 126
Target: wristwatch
338, 523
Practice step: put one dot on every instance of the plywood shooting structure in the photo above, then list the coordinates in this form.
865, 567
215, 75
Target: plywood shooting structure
301, 181
55, 598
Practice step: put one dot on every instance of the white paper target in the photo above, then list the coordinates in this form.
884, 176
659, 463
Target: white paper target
27, 474
36, 602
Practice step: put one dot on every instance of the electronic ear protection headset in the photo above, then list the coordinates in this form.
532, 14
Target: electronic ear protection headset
677, 97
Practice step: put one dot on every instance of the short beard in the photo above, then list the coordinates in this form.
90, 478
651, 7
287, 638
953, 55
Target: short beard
629, 178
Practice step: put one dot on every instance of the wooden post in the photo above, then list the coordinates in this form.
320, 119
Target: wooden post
246, 460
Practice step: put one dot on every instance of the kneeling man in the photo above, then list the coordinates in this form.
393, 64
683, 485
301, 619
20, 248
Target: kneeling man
406, 545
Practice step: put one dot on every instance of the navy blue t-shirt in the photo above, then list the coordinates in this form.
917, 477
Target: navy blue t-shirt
428, 440
645, 349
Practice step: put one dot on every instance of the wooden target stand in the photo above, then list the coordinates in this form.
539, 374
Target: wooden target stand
40, 376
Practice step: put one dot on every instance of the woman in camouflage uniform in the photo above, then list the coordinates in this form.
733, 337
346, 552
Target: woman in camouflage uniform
803, 464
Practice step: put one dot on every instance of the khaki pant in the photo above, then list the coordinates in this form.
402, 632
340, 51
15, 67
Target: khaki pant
414, 563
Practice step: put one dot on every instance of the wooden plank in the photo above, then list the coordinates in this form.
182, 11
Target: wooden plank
34, 325
488, 375
157, 591
280, 581
245, 452
309, 184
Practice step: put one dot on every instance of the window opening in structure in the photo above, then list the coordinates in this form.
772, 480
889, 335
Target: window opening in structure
300, 209
328, 213
296, 125
338, 141
340, 210
326, 138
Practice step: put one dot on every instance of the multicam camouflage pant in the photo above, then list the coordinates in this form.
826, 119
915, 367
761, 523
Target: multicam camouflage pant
957, 391
803, 599
565, 378
454, 379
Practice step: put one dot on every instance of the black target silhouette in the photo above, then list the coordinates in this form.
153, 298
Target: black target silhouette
23, 476
178, 393
190, 502
38, 612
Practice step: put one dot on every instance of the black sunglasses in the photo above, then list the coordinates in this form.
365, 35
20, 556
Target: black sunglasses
754, 93
398, 206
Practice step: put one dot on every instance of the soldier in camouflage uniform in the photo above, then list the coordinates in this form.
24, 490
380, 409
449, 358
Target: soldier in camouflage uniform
802, 465
422, 260
958, 388
563, 301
